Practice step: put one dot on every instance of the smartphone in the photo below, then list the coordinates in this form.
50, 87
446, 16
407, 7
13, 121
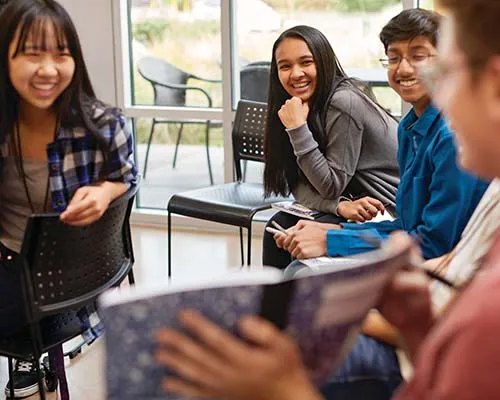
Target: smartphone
274, 231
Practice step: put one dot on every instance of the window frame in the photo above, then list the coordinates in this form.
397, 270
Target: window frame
124, 86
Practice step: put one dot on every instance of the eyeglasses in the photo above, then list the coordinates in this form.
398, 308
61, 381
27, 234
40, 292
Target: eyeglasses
415, 60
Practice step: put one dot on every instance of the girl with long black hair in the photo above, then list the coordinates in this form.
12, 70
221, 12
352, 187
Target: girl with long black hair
326, 140
61, 149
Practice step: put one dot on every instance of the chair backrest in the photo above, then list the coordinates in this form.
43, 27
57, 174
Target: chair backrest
248, 133
67, 267
254, 81
164, 76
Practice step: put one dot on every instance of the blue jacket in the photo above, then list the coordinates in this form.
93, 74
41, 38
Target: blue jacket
435, 199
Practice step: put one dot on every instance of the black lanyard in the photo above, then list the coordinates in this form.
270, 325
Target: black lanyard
23, 173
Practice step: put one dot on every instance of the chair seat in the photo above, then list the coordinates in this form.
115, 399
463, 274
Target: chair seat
231, 203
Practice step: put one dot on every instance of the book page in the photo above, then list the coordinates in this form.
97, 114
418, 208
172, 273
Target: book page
295, 208
239, 277
325, 261
322, 313
132, 372
329, 306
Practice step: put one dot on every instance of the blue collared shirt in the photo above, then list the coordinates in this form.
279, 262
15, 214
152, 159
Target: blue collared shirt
435, 199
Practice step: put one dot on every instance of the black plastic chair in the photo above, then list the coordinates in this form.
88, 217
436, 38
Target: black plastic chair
170, 85
233, 203
254, 81
63, 270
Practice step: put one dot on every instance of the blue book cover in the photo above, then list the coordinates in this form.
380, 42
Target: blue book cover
322, 311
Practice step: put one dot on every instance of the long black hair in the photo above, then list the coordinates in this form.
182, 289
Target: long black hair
281, 172
76, 103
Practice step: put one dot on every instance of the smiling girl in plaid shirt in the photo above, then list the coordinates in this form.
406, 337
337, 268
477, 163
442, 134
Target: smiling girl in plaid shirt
61, 149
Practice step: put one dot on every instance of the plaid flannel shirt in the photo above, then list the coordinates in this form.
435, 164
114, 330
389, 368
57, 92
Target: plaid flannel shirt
75, 158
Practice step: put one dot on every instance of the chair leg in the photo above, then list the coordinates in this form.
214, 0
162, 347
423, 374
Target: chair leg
179, 134
41, 386
244, 170
241, 247
153, 124
131, 278
249, 245
207, 145
169, 244
11, 377
56, 362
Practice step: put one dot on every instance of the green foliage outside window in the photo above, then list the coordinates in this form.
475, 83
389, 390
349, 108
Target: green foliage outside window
150, 31
332, 5
365, 5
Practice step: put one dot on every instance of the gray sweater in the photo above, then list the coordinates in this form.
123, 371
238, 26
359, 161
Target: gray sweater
358, 144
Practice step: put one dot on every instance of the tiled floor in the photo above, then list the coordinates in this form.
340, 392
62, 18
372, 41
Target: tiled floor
214, 253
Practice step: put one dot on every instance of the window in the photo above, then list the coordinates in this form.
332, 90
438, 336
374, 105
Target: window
352, 26
177, 53
428, 4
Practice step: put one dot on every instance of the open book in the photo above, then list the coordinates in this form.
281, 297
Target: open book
295, 208
322, 311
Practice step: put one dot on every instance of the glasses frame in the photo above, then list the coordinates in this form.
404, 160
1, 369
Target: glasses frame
387, 65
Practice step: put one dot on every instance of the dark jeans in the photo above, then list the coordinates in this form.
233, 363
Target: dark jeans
279, 258
12, 311
369, 372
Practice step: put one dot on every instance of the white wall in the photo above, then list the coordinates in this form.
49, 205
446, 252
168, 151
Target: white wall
93, 20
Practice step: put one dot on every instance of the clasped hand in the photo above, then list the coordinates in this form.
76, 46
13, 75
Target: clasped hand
293, 113
87, 205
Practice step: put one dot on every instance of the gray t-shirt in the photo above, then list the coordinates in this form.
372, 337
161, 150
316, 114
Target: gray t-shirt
361, 142
14, 205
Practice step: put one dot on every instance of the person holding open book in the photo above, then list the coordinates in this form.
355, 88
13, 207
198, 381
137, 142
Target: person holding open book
61, 149
325, 138
456, 358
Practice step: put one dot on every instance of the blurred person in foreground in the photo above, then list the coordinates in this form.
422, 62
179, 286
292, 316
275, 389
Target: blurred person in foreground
456, 355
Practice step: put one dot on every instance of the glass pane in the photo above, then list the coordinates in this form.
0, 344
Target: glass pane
428, 4
176, 42
352, 26
160, 178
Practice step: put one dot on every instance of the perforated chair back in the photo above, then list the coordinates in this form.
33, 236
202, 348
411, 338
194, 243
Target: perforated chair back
254, 81
233, 203
66, 267
248, 133
163, 77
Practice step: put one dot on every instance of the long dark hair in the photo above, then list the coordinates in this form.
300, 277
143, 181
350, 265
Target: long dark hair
75, 105
281, 171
